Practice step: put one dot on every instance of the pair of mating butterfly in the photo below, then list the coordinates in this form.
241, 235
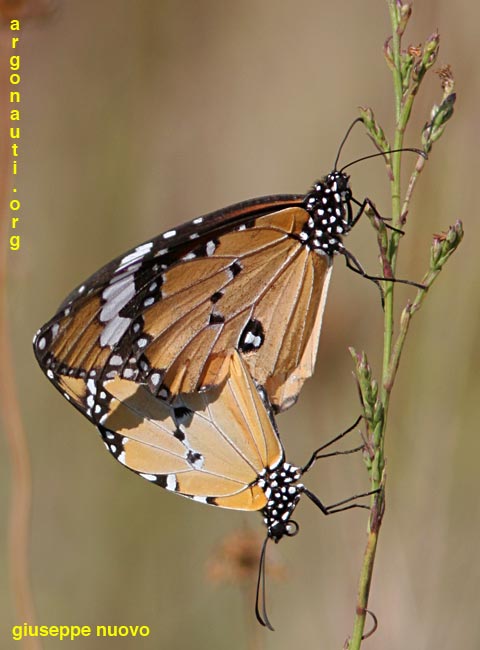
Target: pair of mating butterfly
181, 350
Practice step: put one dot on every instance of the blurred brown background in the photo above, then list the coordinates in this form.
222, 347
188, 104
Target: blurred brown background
139, 115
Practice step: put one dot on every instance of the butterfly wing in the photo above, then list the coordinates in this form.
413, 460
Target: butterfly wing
211, 446
164, 314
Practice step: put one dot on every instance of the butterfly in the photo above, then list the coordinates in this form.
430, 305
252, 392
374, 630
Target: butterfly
219, 446
253, 276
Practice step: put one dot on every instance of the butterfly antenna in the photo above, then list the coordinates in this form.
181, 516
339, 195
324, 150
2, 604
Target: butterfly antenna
260, 599
384, 153
345, 138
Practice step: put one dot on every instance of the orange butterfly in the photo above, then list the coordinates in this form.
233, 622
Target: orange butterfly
253, 277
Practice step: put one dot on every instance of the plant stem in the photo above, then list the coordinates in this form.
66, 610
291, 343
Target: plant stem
378, 478
408, 69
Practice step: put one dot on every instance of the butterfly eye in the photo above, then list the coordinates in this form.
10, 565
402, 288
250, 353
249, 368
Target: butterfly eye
291, 528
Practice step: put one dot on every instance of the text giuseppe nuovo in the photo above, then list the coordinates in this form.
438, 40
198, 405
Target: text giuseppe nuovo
72, 632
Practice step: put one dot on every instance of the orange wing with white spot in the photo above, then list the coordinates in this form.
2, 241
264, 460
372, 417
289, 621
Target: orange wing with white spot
165, 314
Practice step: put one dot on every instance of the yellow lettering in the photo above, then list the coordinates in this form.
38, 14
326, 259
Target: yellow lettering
14, 246
15, 25
14, 168
15, 146
15, 204
15, 133
14, 78
14, 97
14, 222
72, 632
14, 42
15, 62
15, 115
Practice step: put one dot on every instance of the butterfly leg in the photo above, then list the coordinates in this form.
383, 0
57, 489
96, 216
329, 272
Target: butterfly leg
330, 510
354, 265
368, 203
316, 454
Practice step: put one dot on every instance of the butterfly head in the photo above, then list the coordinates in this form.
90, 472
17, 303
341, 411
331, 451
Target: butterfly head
330, 213
283, 493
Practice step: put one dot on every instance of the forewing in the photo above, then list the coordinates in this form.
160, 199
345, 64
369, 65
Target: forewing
168, 310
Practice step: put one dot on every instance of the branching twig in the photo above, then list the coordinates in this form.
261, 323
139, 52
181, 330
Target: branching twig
408, 67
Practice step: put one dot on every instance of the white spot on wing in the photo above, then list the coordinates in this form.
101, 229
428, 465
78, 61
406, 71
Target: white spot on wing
169, 234
149, 477
116, 296
114, 331
210, 248
171, 482
137, 254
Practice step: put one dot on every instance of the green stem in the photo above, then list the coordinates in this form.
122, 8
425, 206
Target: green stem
408, 69
364, 587
384, 393
397, 76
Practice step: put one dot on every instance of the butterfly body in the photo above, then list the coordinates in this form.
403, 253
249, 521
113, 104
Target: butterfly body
253, 277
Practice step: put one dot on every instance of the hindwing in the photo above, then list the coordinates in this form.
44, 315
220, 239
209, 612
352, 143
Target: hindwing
211, 446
